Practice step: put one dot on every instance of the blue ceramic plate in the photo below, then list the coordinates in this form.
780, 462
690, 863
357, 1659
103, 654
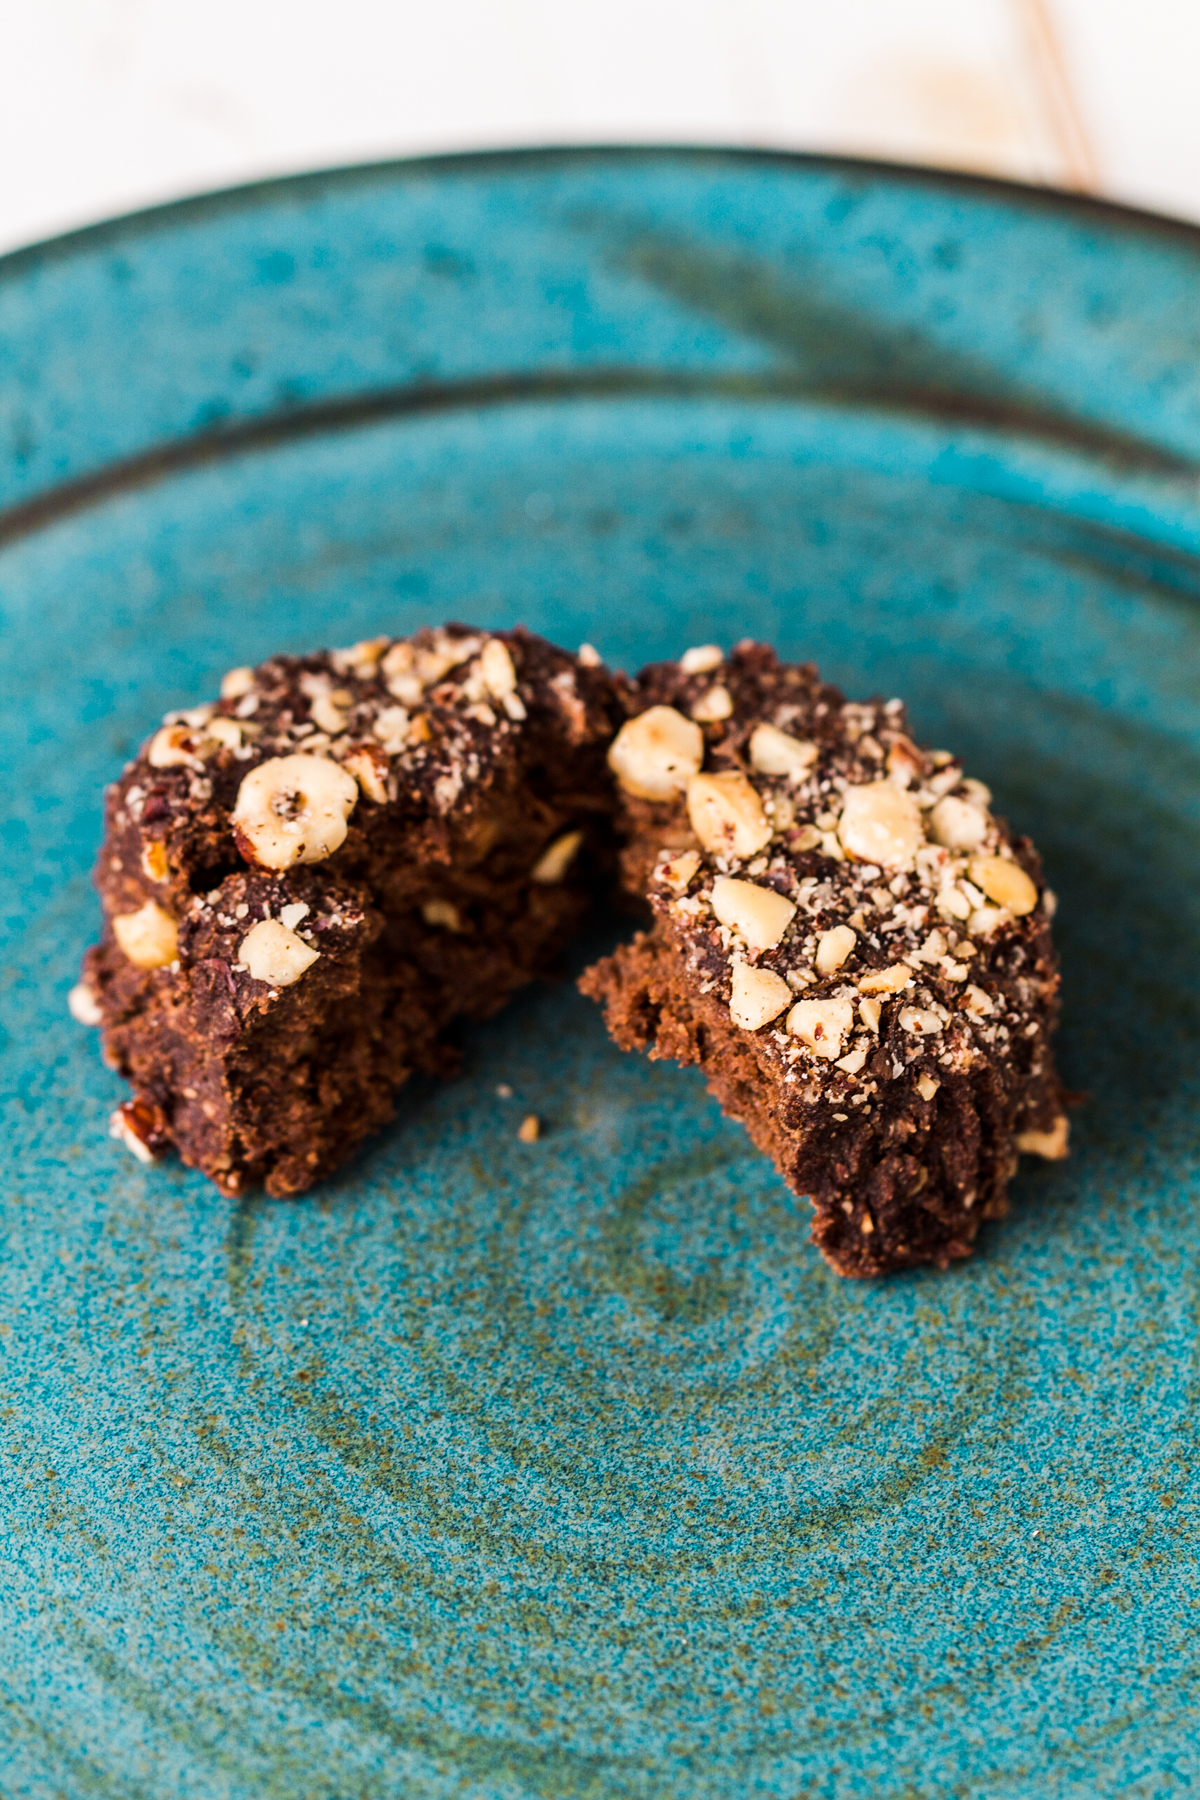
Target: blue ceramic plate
567, 1471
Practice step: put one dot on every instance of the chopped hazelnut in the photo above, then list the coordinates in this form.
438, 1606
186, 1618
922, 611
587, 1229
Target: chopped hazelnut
656, 754
781, 810
530, 1129
154, 860
393, 729
443, 915
172, 746
700, 659
272, 953
927, 1086
369, 766
235, 683
885, 981
226, 732
774, 752
952, 903
823, 1025
589, 656
500, 677
293, 809
919, 1021
807, 838
758, 913
400, 673
852, 1063
904, 762
677, 871
833, 947
1004, 882
1052, 1144
362, 658
552, 865
758, 996
868, 1012
141, 1127
147, 937
957, 824
881, 824
978, 1003
330, 710
716, 704
727, 814
83, 1005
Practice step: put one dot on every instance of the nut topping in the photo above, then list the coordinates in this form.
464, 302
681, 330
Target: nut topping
833, 947
272, 953
500, 677
881, 823
147, 937
142, 1128
393, 729
676, 871
400, 673
727, 815
919, 1020
700, 659
361, 659
236, 683
904, 762
716, 704
952, 903
442, 915
330, 711
369, 767
226, 732
758, 996
1004, 882
958, 824
885, 981
758, 913
655, 755
293, 809
154, 860
552, 865
173, 746
83, 1005
823, 1025
773, 752
1051, 1144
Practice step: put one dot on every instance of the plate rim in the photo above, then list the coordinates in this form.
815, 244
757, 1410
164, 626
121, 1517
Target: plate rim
209, 202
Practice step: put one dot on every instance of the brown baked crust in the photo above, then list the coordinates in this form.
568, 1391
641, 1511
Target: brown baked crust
428, 912
907, 1142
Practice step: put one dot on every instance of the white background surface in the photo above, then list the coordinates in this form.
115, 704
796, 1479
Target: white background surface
106, 105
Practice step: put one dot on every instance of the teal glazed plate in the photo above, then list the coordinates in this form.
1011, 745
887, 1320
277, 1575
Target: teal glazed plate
567, 1470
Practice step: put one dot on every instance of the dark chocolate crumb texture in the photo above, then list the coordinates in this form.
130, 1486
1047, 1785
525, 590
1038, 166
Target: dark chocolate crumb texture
307, 881
851, 945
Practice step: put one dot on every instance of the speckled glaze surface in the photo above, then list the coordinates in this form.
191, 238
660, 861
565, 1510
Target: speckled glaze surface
566, 1470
